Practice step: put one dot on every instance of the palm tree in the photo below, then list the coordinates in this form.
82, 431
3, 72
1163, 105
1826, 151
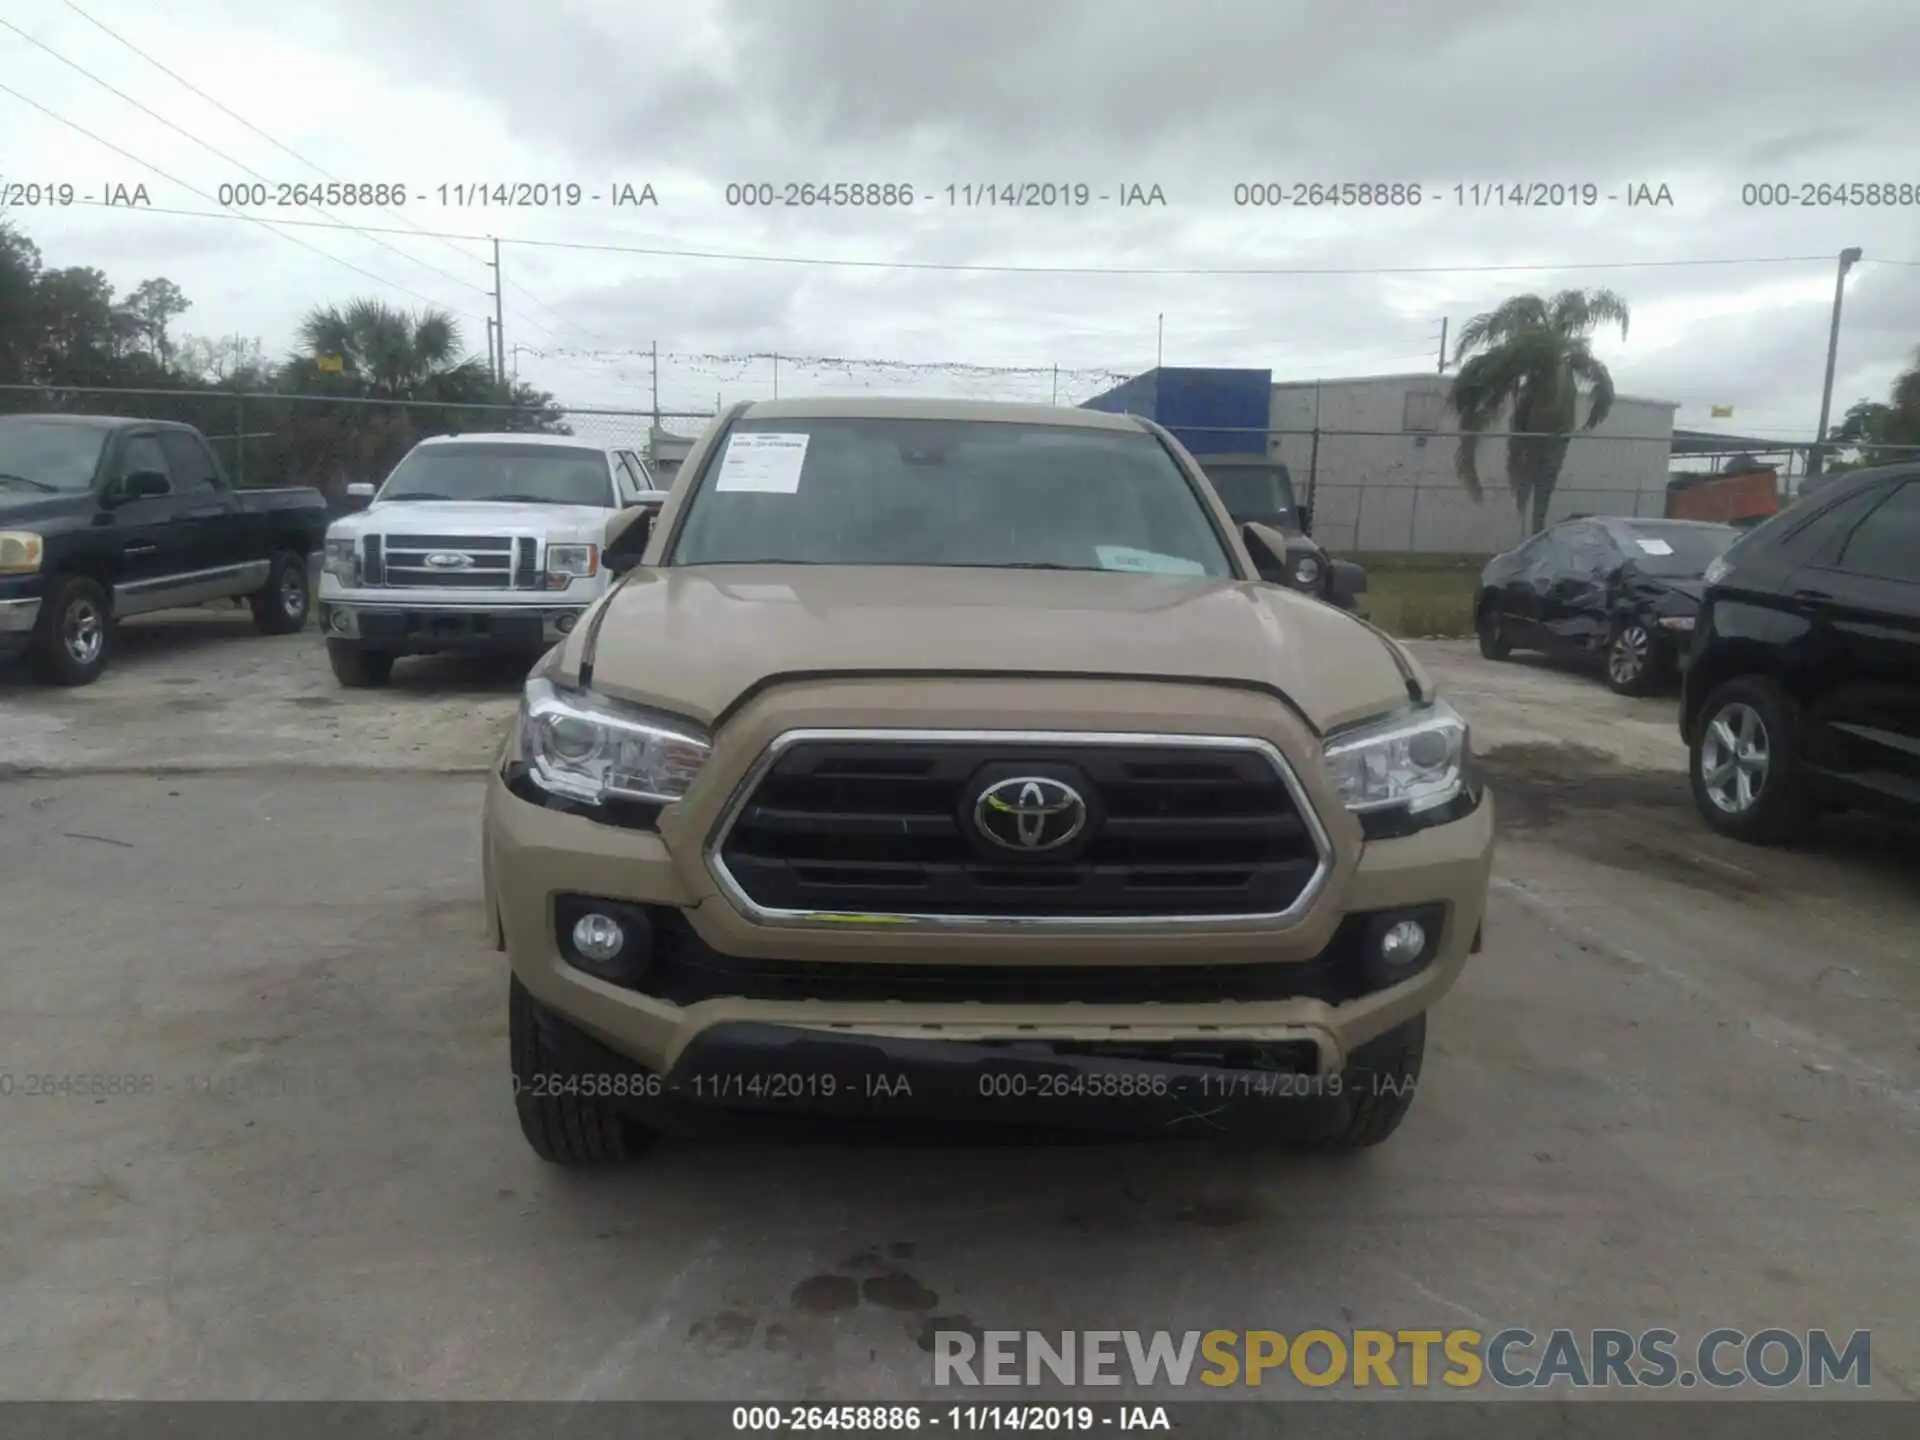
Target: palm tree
1870, 425
1535, 356
394, 355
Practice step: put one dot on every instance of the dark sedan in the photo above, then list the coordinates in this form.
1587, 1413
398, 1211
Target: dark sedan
1622, 590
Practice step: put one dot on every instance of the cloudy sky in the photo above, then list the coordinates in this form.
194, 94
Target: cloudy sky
1195, 97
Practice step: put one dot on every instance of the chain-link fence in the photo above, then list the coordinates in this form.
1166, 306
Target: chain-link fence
332, 441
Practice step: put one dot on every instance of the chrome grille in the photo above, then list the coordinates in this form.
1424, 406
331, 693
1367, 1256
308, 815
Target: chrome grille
403, 561
881, 823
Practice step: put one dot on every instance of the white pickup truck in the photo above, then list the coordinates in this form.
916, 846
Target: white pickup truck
474, 543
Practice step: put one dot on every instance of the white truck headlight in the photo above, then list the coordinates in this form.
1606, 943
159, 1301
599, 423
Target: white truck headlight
21, 552
567, 563
1414, 762
342, 560
591, 749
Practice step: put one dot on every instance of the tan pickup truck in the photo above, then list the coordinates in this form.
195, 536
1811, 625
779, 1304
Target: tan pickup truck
937, 760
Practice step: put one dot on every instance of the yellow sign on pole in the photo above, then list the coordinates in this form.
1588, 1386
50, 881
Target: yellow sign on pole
1723, 412
333, 364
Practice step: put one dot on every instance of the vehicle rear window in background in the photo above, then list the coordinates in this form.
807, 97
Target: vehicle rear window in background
539, 474
938, 492
1688, 549
1887, 543
48, 456
1252, 492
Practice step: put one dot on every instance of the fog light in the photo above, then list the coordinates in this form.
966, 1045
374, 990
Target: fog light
1403, 942
599, 938
564, 624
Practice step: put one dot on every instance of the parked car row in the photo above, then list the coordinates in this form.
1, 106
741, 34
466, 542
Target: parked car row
1795, 643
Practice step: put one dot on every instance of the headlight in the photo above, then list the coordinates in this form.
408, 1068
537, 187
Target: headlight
1413, 762
1677, 622
1718, 569
342, 560
20, 552
1306, 572
592, 749
567, 563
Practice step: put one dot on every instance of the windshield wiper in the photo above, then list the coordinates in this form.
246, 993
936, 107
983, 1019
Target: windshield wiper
419, 495
518, 500
28, 480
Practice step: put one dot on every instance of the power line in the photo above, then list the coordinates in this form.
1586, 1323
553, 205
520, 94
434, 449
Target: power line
964, 267
265, 225
221, 154
227, 110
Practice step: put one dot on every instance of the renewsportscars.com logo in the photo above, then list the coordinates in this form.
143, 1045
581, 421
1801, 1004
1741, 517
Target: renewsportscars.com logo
1513, 1358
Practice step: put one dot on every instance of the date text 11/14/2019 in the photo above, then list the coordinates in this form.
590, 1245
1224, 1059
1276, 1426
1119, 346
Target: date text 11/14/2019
1490, 195
977, 1415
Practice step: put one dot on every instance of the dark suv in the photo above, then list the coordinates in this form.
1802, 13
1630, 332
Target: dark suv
1802, 688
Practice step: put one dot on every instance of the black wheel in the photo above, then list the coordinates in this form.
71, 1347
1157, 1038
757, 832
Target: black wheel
74, 632
1494, 642
1743, 763
563, 1129
357, 669
1379, 1082
1637, 660
280, 606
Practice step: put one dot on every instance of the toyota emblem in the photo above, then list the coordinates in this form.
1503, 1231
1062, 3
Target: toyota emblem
1030, 813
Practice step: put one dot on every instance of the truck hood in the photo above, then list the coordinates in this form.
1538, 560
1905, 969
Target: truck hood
693, 640
465, 517
23, 508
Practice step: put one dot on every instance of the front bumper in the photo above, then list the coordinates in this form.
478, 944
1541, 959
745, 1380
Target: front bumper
534, 857
406, 628
18, 616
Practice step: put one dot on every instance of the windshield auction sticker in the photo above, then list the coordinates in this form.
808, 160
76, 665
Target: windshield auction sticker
763, 463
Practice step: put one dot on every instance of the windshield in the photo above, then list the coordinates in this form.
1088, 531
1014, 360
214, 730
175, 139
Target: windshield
931, 492
541, 474
1677, 552
1253, 492
48, 457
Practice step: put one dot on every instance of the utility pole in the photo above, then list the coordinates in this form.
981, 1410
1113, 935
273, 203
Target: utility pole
493, 356
1816, 457
499, 323
1443, 345
656, 385
1160, 341
1056, 384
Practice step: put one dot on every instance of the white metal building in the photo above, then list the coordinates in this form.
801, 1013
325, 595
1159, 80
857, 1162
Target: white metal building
1384, 479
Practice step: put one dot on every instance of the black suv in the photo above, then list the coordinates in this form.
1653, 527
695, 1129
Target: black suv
1802, 687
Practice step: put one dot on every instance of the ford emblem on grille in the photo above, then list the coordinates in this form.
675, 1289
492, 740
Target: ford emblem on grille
450, 560
1030, 813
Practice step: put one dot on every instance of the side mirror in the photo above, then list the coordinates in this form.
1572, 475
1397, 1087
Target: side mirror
360, 490
1305, 512
1268, 547
138, 484
627, 535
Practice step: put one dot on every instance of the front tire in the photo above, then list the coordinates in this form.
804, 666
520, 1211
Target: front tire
1379, 1080
74, 632
1494, 641
358, 669
1743, 764
280, 606
571, 1130
1635, 661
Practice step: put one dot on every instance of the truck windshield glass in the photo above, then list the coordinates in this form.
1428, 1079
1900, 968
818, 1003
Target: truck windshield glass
947, 493
48, 456
1252, 492
540, 474
1677, 552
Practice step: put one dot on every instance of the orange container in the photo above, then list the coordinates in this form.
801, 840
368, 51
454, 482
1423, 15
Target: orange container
1727, 498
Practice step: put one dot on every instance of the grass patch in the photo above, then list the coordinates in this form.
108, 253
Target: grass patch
1412, 596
